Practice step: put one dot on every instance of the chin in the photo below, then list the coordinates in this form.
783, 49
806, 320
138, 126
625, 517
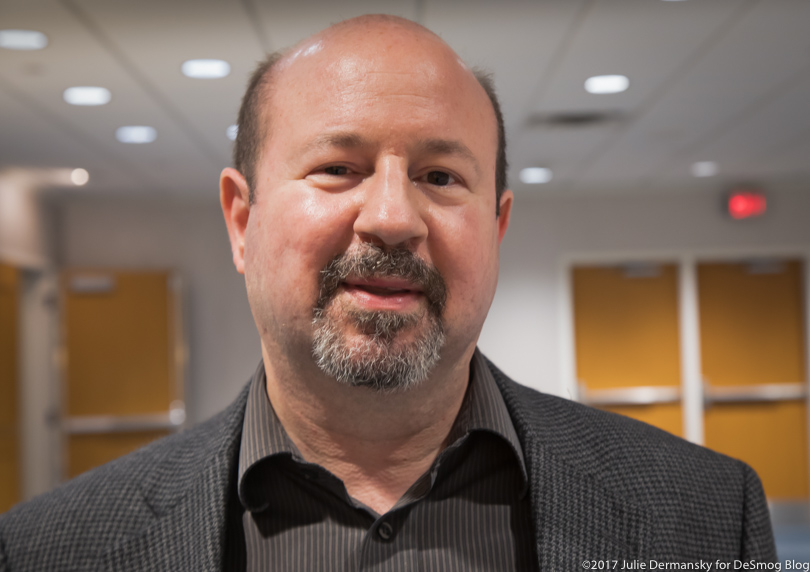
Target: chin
384, 351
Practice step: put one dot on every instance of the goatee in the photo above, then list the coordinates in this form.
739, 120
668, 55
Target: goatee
396, 351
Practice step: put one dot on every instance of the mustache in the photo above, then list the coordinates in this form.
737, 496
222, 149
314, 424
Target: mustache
373, 261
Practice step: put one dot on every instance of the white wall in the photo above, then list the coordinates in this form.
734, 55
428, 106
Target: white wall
187, 235
523, 334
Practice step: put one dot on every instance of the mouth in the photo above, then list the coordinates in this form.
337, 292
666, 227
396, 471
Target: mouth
382, 286
383, 293
377, 279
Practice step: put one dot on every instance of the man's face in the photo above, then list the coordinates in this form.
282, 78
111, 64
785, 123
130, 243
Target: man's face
373, 238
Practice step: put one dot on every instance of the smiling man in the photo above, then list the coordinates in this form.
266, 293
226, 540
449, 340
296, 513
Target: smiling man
368, 229
366, 210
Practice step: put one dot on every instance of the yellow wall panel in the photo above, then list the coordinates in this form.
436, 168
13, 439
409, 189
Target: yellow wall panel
752, 333
8, 346
626, 328
9, 471
751, 324
9, 448
119, 358
771, 437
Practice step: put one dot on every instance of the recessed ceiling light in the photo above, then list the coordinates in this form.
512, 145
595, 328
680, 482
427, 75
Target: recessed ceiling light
606, 84
535, 175
704, 169
22, 40
231, 132
79, 177
136, 134
206, 69
87, 95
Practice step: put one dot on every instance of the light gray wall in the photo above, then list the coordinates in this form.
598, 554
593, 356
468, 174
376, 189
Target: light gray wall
39, 402
523, 332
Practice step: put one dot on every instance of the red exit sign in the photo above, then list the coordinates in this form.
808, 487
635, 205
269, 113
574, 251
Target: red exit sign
747, 203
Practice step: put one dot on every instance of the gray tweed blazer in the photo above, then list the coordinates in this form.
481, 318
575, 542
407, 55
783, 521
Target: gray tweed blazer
602, 487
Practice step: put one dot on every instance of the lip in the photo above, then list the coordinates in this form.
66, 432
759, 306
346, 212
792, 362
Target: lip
393, 284
394, 294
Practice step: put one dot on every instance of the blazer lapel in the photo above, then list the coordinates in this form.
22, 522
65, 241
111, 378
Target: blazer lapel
576, 516
577, 519
189, 537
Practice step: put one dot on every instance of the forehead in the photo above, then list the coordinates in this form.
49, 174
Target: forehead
376, 46
410, 79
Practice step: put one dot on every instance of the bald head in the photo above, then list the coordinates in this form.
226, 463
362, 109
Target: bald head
380, 45
374, 31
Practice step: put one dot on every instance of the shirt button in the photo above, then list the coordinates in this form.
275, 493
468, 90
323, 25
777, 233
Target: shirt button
385, 531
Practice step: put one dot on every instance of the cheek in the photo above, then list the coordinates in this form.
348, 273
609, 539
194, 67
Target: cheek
465, 251
295, 234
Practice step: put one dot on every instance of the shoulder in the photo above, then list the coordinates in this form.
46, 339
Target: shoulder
610, 445
79, 519
687, 490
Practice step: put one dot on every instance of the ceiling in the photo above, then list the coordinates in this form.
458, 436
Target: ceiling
710, 80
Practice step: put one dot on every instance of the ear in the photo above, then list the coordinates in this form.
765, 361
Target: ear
234, 198
506, 210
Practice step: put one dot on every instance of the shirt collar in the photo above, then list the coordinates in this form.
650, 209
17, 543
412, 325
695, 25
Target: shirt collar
485, 410
263, 435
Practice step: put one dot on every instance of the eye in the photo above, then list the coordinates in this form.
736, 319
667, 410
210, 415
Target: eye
337, 170
439, 178
335, 176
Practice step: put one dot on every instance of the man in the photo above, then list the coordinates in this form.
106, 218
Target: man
366, 211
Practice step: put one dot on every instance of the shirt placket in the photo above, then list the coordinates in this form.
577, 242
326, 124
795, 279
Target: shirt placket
386, 546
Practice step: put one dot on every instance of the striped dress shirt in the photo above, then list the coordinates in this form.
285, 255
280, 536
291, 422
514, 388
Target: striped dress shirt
470, 511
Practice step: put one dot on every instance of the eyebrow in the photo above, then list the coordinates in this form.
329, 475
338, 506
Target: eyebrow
448, 147
350, 140
342, 140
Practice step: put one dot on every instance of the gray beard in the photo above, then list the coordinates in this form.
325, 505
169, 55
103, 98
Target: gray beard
380, 361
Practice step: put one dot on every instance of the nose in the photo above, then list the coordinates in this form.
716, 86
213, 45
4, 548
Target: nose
391, 214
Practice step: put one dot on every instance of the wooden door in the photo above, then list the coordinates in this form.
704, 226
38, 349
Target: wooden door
627, 341
123, 363
9, 441
753, 359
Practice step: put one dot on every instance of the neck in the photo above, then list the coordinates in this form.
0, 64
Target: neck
377, 444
